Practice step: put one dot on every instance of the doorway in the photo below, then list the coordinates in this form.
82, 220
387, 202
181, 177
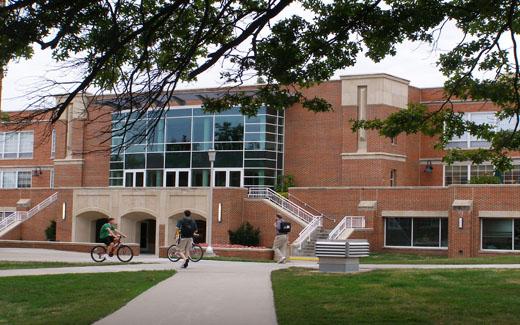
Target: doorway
177, 178
228, 177
134, 178
147, 236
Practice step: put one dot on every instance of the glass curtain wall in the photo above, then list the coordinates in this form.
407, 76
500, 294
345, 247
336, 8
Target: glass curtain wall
174, 151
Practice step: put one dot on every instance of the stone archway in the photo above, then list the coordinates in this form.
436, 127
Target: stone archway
172, 225
141, 228
87, 225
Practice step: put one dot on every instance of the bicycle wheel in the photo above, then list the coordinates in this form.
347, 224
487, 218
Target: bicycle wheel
196, 253
98, 253
172, 253
124, 253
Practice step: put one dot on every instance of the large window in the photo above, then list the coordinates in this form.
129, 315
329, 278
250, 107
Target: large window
416, 232
462, 174
15, 179
500, 234
181, 140
480, 118
16, 145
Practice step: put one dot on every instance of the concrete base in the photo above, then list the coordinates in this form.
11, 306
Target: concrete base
339, 264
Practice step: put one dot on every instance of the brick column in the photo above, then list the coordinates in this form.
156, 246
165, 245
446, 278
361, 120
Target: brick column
460, 239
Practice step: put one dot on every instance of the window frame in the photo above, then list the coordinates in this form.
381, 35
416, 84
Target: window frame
440, 247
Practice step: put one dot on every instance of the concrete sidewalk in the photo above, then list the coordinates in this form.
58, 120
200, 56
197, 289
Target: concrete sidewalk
208, 292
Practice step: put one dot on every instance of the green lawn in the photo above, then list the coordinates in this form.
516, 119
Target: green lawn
9, 265
71, 298
396, 258
397, 296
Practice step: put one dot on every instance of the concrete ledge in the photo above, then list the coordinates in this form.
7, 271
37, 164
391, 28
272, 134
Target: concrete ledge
415, 214
62, 246
249, 253
372, 156
499, 214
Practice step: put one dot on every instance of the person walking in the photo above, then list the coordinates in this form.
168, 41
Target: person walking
186, 228
281, 241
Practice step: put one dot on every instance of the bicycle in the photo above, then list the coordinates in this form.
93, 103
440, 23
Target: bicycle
196, 252
123, 252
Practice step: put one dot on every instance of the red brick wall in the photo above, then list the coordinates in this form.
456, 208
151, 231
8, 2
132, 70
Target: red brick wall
231, 200
339, 202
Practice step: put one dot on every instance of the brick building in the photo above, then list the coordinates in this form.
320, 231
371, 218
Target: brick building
409, 199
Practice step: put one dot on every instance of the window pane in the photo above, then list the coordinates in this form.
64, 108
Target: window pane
170, 178
398, 232
229, 128
497, 234
116, 182
234, 178
24, 179
154, 178
116, 174
155, 160
426, 232
456, 175
129, 179
174, 112
156, 132
178, 130
260, 163
136, 134
482, 170
517, 234
512, 176
9, 180
229, 159
220, 178
134, 161
203, 129
26, 142
178, 160
444, 232
11, 145
184, 177
200, 177
200, 159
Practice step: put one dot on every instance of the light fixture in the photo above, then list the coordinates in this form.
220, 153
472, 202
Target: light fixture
211, 155
461, 222
429, 167
219, 216
37, 171
64, 211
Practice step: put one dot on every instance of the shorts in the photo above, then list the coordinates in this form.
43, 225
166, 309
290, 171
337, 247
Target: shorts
185, 245
108, 240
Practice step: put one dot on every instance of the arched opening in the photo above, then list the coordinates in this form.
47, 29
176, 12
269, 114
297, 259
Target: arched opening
172, 226
87, 226
140, 227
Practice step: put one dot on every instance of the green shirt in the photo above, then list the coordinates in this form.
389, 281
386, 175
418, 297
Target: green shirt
104, 233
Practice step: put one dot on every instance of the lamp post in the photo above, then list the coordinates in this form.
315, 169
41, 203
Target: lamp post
209, 250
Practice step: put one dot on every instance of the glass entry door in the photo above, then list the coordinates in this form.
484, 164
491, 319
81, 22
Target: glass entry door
177, 178
134, 178
228, 177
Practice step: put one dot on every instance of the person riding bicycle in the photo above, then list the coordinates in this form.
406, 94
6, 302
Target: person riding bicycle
109, 235
186, 227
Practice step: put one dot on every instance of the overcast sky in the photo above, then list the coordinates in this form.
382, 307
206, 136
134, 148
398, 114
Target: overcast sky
414, 61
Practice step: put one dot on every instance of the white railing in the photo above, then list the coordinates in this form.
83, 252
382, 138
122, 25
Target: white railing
282, 202
306, 233
20, 216
346, 223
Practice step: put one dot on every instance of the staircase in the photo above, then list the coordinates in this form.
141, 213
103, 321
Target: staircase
346, 227
16, 218
311, 222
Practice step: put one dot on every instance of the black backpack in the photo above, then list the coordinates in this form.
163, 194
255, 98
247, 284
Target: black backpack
285, 227
188, 228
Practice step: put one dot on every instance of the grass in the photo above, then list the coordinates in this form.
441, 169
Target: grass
10, 265
236, 259
71, 298
397, 297
397, 258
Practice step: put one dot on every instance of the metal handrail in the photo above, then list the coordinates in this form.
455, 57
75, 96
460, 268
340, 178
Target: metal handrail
307, 232
348, 222
284, 203
307, 206
20, 216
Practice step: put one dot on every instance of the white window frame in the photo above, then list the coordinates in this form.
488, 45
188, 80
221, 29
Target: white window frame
228, 175
134, 172
17, 185
3, 136
53, 144
176, 171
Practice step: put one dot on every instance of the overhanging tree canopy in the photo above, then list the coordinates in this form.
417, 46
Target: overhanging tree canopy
147, 47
